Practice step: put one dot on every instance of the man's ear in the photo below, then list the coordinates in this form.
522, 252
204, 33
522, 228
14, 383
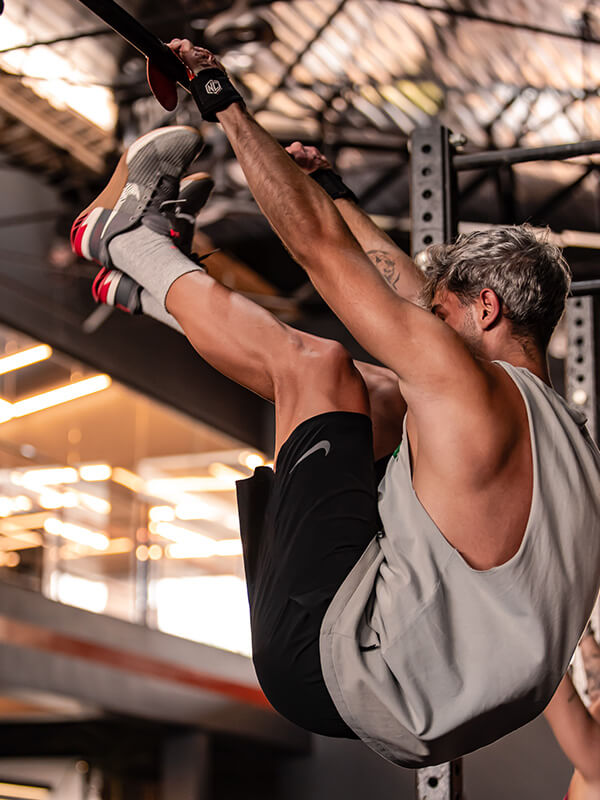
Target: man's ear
489, 308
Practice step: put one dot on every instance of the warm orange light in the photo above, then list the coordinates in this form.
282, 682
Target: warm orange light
251, 460
155, 552
24, 792
76, 533
95, 472
63, 394
129, 480
141, 552
24, 358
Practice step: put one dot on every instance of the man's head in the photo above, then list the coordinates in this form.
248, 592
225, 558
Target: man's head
508, 274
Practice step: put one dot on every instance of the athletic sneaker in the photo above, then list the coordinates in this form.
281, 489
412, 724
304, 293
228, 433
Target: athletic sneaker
194, 191
115, 288
146, 177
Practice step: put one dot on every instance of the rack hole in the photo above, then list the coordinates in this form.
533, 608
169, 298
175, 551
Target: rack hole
581, 378
427, 216
579, 341
427, 194
427, 239
426, 171
426, 148
579, 322
432, 782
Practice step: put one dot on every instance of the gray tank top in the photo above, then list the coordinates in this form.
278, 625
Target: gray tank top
427, 658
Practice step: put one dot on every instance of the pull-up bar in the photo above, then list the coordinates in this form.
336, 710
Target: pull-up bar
156, 51
582, 288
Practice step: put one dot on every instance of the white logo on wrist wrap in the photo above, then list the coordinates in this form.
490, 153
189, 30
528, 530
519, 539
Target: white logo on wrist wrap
213, 87
324, 444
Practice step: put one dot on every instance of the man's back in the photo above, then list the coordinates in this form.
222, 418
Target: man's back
446, 657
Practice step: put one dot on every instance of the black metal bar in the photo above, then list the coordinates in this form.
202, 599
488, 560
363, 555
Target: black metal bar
432, 188
582, 288
431, 8
141, 38
299, 56
517, 155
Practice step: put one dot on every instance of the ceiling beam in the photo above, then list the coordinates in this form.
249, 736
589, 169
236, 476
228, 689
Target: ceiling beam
50, 123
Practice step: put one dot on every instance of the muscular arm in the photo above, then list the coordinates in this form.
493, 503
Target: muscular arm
397, 268
576, 731
412, 342
451, 395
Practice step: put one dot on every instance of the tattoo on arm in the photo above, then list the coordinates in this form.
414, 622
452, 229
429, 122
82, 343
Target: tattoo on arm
592, 672
386, 264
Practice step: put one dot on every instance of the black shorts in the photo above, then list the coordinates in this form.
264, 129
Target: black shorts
303, 529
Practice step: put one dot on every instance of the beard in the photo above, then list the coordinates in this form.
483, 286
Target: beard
471, 335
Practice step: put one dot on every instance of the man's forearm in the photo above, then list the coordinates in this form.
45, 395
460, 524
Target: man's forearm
398, 269
298, 209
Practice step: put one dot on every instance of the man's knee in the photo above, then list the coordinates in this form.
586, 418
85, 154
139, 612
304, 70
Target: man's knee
312, 360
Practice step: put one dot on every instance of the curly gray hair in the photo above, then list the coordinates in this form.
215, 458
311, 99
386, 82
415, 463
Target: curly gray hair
527, 272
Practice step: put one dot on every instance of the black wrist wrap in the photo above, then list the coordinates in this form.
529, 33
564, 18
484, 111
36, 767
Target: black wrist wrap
333, 184
213, 91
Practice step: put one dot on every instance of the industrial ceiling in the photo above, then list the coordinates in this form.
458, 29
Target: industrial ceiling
354, 77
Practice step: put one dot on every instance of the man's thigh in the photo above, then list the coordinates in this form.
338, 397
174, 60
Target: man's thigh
321, 515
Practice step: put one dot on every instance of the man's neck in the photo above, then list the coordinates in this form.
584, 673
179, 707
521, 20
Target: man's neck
525, 355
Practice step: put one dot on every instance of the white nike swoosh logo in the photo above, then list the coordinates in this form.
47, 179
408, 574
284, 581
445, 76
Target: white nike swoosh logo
322, 445
130, 189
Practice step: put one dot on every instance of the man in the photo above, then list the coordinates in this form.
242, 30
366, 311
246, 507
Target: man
577, 728
489, 505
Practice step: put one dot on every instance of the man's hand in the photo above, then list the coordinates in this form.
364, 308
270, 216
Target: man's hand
211, 88
309, 159
195, 58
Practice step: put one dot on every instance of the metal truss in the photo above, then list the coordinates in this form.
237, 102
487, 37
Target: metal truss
442, 782
434, 165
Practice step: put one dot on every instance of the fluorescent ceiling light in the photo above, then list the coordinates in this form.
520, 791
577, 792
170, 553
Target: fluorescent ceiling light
63, 394
161, 514
94, 503
23, 522
185, 536
50, 498
116, 546
129, 480
95, 472
12, 505
224, 548
76, 533
23, 792
23, 540
24, 358
46, 476
166, 487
